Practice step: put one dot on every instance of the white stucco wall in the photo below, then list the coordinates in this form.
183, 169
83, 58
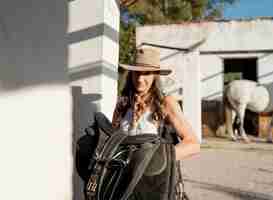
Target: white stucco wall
58, 64
35, 101
265, 67
249, 35
236, 35
211, 76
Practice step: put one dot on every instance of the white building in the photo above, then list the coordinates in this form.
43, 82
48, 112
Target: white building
244, 47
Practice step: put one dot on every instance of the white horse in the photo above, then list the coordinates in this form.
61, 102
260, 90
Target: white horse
240, 95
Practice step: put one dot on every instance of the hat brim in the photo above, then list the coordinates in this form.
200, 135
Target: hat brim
146, 68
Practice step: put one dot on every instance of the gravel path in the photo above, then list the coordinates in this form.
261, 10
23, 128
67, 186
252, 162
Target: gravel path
230, 171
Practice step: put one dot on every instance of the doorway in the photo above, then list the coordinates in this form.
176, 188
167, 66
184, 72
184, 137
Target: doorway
240, 68
243, 68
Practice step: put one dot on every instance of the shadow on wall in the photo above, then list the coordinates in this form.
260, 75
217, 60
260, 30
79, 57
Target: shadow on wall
83, 104
33, 52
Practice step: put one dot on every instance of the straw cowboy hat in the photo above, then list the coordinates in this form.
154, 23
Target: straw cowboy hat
147, 59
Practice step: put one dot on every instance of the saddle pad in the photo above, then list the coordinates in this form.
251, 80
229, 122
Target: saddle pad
158, 162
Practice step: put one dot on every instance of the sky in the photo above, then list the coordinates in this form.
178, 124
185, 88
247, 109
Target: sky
249, 9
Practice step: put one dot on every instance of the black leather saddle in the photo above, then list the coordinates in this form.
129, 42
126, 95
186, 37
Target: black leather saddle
113, 169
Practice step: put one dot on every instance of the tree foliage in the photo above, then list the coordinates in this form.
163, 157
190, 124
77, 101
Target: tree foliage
171, 11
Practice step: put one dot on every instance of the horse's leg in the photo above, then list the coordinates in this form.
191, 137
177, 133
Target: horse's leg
269, 131
241, 114
235, 124
229, 121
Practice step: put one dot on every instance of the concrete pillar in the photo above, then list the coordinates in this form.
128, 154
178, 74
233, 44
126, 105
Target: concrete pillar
35, 101
93, 51
192, 90
93, 62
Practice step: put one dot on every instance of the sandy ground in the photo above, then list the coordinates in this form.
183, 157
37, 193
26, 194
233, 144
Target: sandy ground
227, 170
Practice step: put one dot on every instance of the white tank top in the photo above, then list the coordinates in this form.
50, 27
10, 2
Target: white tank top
144, 125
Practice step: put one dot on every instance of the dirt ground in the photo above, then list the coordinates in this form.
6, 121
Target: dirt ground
226, 170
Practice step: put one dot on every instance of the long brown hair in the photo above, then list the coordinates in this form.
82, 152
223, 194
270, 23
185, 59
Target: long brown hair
130, 99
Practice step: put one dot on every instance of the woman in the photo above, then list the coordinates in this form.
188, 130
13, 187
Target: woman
141, 107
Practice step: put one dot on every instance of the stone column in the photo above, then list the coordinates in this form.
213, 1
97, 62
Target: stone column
93, 52
93, 62
192, 90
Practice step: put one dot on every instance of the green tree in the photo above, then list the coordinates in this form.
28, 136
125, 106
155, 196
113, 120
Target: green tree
171, 11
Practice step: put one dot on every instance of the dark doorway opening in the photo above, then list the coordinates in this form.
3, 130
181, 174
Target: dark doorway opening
240, 68
243, 68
